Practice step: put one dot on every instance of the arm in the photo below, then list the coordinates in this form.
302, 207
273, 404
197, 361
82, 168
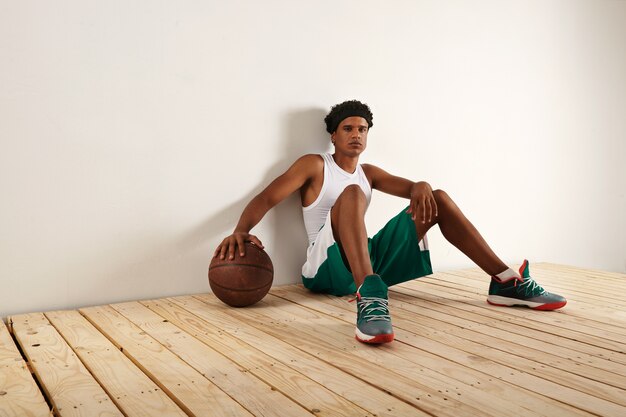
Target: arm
422, 204
279, 189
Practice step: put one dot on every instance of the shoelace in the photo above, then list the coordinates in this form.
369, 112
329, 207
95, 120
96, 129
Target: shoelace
529, 286
369, 305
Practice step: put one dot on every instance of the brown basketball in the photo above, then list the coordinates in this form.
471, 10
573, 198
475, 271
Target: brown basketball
242, 281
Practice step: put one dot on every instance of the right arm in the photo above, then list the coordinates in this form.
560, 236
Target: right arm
291, 180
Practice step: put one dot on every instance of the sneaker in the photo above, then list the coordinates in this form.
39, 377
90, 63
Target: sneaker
373, 322
523, 292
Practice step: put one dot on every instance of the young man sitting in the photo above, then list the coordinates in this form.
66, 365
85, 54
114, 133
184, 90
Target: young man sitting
335, 191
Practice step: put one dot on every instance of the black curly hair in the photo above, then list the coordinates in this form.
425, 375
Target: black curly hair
347, 109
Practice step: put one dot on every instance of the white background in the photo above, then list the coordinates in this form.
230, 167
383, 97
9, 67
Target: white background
134, 132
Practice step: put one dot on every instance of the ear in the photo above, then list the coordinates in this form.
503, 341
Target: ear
332, 137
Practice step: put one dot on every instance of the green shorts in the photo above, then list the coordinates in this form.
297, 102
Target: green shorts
396, 254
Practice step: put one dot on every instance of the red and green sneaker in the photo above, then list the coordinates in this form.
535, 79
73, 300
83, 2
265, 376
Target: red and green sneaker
523, 292
373, 322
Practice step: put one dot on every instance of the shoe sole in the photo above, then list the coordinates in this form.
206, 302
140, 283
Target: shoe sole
377, 339
511, 302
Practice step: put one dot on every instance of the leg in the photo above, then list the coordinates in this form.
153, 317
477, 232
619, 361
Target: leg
459, 231
348, 222
373, 324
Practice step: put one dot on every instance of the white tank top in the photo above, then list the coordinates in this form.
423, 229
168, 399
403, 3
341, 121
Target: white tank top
335, 181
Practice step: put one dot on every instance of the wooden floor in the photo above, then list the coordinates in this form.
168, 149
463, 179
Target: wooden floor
294, 354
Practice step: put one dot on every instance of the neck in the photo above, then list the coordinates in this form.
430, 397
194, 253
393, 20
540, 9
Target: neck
345, 162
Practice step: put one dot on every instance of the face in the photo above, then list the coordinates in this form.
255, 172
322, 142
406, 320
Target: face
351, 136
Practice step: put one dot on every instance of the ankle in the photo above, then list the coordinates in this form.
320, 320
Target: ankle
373, 286
361, 278
506, 275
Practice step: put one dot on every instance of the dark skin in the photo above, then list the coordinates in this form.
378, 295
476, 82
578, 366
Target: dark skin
306, 175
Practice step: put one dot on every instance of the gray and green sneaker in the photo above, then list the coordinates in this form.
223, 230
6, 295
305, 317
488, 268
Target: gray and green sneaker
373, 322
523, 291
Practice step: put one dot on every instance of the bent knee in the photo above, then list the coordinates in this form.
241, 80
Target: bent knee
352, 196
352, 191
441, 197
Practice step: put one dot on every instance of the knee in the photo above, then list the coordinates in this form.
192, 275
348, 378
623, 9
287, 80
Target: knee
441, 197
353, 192
352, 195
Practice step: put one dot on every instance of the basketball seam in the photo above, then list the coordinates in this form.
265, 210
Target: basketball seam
248, 265
241, 290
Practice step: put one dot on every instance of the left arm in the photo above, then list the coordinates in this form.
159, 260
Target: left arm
422, 206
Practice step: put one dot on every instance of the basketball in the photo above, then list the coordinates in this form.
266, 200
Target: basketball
242, 281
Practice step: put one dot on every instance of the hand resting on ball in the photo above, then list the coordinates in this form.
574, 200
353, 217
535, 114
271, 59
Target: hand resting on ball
231, 243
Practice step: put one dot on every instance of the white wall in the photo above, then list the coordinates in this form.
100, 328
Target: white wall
133, 133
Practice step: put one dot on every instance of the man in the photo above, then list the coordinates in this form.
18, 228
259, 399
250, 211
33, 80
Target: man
335, 191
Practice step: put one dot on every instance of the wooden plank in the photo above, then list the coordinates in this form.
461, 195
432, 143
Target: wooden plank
294, 353
68, 384
552, 334
592, 289
581, 275
187, 387
545, 387
251, 392
296, 385
493, 331
476, 369
334, 342
581, 280
577, 375
131, 390
19, 394
591, 309
579, 287
614, 330
553, 322
9, 353
431, 296
439, 321
571, 389
555, 282
342, 383
613, 277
